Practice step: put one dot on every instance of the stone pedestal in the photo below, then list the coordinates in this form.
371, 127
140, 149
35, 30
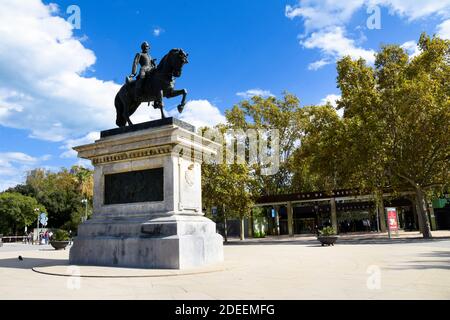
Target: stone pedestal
147, 199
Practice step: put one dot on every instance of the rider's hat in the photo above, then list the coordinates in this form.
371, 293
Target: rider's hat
144, 44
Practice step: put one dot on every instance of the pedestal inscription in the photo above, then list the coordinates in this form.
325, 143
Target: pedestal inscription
134, 186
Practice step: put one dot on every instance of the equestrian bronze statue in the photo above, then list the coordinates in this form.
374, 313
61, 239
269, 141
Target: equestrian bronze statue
151, 85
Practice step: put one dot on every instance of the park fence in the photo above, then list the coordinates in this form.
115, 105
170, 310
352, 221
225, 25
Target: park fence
12, 239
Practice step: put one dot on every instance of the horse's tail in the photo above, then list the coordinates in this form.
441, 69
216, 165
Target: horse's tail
120, 119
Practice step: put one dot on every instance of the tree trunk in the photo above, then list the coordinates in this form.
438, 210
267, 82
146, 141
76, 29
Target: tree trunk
225, 232
422, 213
418, 221
250, 224
381, 213
414, 212
242, 228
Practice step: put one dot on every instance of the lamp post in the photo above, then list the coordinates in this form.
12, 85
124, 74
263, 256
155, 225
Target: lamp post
86, 203
37, 230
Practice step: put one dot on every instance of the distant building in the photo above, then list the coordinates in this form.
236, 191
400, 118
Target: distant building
345, 210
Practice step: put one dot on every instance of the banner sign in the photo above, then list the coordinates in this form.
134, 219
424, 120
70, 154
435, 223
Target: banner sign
392, 219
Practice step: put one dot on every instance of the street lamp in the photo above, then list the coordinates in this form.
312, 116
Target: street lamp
319, 218
37, 230
86, 203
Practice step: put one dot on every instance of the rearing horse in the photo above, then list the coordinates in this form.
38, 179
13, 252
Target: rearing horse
160, 83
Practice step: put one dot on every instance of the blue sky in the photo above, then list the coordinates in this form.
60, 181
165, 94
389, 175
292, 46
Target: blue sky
57, 83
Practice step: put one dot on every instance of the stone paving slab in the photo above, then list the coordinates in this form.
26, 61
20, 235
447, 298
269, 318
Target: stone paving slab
295, 269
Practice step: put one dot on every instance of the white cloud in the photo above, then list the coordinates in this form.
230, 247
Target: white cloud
411, 48
146, 113
43, 86
413, 10
325, 23
255, 92
70, 143
200, 113
41, 75
334, 44
319, 14
318, 64
13, 167
443, 30
332, 99
20, 157
85, 164
157, 31
45, 157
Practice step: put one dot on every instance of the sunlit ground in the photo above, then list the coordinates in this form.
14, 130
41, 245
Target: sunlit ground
357, 267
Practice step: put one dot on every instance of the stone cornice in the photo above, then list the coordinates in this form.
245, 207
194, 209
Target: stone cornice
147, 143
133, 154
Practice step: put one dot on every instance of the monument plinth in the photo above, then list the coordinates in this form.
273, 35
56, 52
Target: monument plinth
147, 199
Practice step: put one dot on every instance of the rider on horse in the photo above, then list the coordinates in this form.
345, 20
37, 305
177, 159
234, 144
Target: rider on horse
147, 66
152, 85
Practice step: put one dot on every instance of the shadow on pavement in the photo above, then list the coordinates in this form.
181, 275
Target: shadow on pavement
439, 260
341, 241
29, 263
391, 241
270, 242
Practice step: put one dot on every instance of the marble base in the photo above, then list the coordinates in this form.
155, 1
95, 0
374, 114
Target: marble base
174, 242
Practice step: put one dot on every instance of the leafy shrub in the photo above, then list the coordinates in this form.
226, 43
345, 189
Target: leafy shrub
258, 234
327, 231
61, 235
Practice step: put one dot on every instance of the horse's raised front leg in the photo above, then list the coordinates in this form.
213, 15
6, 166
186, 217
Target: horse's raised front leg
174, 93
183, 101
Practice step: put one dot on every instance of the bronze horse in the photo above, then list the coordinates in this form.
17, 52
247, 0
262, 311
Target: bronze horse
160, 83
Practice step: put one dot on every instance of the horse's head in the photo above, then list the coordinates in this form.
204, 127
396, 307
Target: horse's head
177, 58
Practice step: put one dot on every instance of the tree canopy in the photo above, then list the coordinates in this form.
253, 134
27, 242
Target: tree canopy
60, 193
17, 212
395, 132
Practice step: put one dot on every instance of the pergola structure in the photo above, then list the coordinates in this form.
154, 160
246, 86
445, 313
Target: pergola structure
333, 198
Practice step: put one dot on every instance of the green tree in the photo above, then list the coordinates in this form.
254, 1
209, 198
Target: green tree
417, 122
17, 212
61, 193
396, 121
228, 186
271, 113
317, 163
85, 181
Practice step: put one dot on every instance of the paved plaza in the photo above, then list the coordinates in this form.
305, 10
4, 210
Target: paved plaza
357, 267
